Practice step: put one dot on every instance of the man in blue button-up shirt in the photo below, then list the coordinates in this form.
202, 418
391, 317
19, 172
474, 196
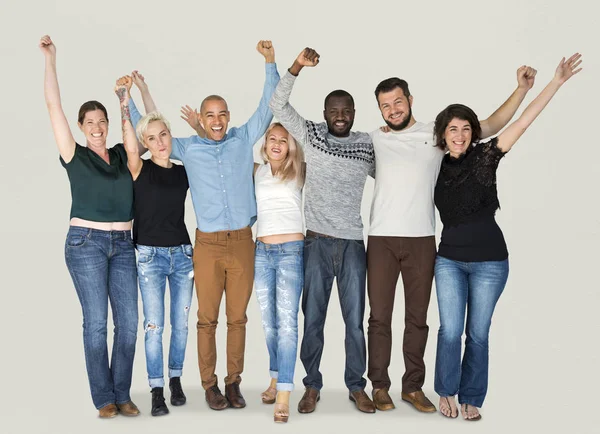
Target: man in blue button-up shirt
219, 168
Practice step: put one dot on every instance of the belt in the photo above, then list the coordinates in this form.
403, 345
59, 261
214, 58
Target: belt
317, 235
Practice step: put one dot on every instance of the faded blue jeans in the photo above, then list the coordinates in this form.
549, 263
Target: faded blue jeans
102, 266
278, 281
326, 258
471, 288
156, 265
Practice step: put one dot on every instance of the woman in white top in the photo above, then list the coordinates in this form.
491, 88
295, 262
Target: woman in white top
278, 266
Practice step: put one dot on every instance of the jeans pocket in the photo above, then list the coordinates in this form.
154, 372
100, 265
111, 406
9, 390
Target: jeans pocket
188, 251
76, 240
145, 254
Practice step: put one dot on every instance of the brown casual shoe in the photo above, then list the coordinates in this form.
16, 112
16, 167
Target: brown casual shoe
234, 396
128, 409
419, 401
215, 398
362, 401
108, 411
309, 400
382, 400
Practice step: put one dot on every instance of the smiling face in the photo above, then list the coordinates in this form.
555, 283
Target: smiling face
458, 136
395, 108
157, 139
95, 127
214, 118
276, 144
339, 114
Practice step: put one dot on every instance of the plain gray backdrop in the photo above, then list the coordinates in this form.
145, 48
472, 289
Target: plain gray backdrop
544, 338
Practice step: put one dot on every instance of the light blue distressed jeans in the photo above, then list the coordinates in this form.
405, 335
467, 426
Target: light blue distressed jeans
278, 281
155, 266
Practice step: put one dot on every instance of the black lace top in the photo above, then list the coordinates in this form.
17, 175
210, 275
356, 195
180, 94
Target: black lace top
467, 199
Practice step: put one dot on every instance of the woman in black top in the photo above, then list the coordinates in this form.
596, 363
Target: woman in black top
98, 250
472, 264
162, 240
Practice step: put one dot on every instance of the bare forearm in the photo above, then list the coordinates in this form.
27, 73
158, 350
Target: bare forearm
51, 89
498, 120
148, 101
538, 104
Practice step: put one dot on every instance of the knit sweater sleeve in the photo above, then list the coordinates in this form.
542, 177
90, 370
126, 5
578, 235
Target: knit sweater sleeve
285, 113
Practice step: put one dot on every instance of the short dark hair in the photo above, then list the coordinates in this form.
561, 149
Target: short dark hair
390, 84
455, 111
339, 93
90, 106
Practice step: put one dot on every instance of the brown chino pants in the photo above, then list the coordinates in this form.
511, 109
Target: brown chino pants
387, 257
223, 261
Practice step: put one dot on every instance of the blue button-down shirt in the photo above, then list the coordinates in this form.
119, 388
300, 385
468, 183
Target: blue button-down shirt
220, 173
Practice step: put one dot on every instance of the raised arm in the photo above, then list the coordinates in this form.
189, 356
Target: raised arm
498, 120
190, 115
149, 105
130, 141
280, 102
62, 133
259, 122
564, 71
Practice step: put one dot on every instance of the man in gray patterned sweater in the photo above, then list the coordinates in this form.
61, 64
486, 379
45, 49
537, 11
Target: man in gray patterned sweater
338, 162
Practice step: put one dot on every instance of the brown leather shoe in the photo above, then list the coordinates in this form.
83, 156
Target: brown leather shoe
215, 398
309, 400
383, 400
419, 401
362, 401
234, 396
128, 409
109, 410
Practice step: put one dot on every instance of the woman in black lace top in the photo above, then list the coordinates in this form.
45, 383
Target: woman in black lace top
471, 268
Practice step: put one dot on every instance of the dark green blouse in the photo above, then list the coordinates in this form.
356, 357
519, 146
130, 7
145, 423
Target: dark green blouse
100, 192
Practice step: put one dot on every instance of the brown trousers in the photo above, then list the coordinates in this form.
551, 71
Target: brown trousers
387, 257
223, 261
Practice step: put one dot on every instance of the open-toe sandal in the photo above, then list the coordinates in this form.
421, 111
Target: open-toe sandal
282, 412
474, 419
268, 396
449, 408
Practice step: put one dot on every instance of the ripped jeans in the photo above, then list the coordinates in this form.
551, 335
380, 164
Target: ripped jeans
155, 266
278, 281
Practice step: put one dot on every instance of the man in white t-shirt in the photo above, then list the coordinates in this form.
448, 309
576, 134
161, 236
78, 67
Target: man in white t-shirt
401, 234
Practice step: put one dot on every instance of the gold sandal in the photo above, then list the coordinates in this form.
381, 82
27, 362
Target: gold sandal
282, 412
268, 396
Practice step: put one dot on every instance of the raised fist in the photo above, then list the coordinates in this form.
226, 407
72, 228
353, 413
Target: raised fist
139, 81
526, 77
308, 57
266, 49
47, 46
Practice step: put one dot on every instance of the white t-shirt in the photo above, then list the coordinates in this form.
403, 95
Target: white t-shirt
407, 166
278, 204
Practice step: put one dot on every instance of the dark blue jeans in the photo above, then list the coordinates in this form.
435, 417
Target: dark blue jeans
471, 289
324, 259
102, 266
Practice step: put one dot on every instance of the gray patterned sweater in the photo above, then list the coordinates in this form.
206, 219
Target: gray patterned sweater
336, 169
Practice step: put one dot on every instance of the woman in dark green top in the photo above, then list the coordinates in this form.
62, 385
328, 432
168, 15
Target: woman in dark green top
99, 251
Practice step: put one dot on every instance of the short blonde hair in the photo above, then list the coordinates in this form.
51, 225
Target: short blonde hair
292, 167
142, 125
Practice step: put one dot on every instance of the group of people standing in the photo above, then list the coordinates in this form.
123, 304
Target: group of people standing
302, 244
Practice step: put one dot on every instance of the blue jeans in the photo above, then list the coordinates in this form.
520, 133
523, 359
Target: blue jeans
278, 281
346, 260
155, 266
472, 288
102, 266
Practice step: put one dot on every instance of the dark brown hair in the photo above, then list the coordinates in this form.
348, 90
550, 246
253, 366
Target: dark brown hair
90, 106
455, 111
391, 84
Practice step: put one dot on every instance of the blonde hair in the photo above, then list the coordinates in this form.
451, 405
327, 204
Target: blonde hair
291, 168
142, 125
